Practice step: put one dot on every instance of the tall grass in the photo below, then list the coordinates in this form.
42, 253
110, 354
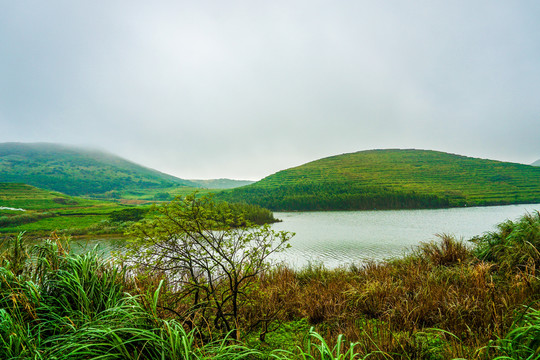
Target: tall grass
75, 307
515, 247
315, 348
389, 307
523, 341
445, 300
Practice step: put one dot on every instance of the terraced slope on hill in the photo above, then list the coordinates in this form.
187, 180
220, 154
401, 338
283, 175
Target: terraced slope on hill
77, 171
26, 197
393, 179
27, 208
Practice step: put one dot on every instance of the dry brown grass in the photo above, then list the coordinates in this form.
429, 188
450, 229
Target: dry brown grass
389, 308
385, 306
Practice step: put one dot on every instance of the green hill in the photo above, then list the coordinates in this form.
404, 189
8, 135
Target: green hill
393, 179
536, 163
77, 171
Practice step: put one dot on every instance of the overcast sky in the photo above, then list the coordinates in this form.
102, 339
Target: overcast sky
242, 89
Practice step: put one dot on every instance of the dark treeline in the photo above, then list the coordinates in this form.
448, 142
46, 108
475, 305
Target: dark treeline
255, 214
334, 196
252, 213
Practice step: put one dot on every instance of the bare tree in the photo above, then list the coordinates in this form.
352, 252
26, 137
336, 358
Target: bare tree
210, 253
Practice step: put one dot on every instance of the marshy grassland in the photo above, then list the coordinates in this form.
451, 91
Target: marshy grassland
447, 299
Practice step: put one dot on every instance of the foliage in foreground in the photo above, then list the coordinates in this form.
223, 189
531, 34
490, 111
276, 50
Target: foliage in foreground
440, 302
515, 247
210, 254
523, 341
76, 307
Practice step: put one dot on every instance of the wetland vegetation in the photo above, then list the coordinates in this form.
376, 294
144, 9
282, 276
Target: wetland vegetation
447, 299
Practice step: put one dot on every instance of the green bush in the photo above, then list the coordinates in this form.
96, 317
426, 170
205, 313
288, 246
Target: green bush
129, 214
515, 246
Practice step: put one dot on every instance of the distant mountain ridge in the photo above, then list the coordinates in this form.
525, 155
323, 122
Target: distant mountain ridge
536, 163
77, 171
221, 183
393, 179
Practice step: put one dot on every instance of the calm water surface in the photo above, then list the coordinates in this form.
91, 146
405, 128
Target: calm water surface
340, 238
343, 237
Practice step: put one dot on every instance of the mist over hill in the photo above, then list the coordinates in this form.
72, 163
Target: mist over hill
77, 171
393, 179
536, 163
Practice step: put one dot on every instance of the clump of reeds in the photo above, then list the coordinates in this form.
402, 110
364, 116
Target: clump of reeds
445, 252
515, 247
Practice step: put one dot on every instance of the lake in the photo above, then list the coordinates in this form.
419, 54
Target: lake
345, 237
338, 238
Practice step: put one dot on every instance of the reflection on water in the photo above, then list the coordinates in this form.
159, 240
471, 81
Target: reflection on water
341, 238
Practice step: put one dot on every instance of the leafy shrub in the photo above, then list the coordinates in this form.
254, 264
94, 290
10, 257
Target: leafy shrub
209, 251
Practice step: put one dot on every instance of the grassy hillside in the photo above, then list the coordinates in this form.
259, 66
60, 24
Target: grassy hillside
393, 179
46, 211
77, 171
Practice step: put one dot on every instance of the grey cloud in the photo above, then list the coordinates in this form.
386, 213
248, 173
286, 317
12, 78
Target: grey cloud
243, 89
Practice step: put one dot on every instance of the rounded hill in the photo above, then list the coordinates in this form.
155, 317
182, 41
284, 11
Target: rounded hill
77, 171
393, 179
